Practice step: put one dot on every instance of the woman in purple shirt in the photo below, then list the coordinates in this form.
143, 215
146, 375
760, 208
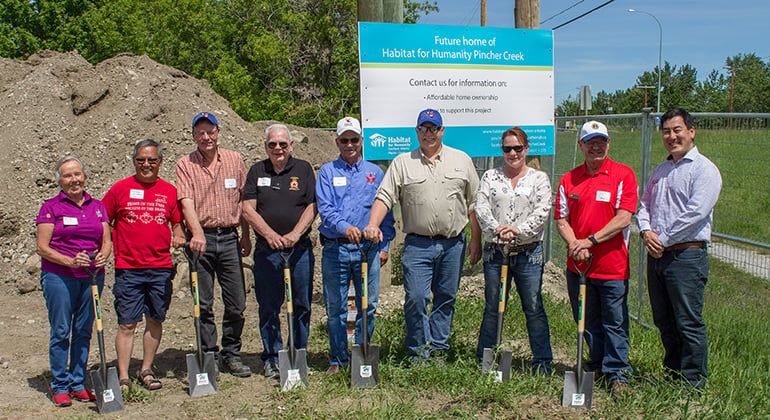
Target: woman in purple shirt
69, 227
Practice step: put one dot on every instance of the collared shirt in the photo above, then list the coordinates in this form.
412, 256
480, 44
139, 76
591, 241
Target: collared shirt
216, 192
436, 197
591, 201
281, 197
679, 199
75, 229
526, 207
344, 195
141, 215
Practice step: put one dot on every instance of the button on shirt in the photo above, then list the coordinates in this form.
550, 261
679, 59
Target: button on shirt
344, 195
526, 207
679, 199
216, 193
436, 197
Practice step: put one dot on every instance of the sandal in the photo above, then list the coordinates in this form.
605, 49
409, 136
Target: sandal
148, 380
124, 385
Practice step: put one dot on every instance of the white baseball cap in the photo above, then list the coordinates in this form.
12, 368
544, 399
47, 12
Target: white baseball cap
593, 129
348, 124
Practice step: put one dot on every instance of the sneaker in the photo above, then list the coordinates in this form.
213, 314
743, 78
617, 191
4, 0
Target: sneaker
83, 396
541, 370
333, 370
271, 369
236, 368
62, 400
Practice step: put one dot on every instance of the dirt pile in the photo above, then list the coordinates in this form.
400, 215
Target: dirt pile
56, 104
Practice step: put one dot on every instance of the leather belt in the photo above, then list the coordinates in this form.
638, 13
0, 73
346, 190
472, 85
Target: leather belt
517, 249
433, 237
685, 245
325, 239
219, 230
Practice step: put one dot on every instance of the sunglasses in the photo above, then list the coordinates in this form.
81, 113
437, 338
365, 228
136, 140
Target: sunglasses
518, 148
353, 140
280, 144
212, 133
151, 161
433, 129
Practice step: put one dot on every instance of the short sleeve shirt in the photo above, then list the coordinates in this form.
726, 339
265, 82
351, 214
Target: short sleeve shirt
591, 201
281, 197
76, 228
141, 214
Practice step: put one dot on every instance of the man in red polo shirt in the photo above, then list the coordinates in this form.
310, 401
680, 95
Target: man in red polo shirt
594, 205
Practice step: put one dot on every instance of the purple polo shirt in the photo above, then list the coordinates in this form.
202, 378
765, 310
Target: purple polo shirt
76, 228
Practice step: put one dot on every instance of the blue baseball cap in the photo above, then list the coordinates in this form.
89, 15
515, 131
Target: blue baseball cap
431, 116
207, 116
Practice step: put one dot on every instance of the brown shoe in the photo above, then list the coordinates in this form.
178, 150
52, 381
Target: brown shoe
333, 370
618, 389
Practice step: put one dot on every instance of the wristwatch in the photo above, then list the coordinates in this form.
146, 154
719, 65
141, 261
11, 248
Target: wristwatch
593, 240
642, 232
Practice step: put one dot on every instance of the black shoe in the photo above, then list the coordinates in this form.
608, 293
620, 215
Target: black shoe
271, 369
236, 368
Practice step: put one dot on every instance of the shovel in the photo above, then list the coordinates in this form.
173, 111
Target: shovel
201, 367
503, 371
366, 357
292, 363
579, 385
109, 398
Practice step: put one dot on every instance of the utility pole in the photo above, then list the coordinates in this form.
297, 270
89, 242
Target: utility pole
370, 10
392, 11
483, 12
526, 15
645, 92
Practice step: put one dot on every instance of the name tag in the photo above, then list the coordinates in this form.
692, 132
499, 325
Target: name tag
137, 194
603, 196
70, 221
263, 182
230, 183
340, 181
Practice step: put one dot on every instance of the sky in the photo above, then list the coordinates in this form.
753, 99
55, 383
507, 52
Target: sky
609, 48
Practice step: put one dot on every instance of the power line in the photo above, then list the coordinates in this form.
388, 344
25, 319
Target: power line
542, 22
472, 14
584, 14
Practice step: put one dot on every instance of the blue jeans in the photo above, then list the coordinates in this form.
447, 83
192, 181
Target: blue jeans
269, 289
606, 324
430, 266
71, 316
526, 270
676, 284
223, 260
341, 263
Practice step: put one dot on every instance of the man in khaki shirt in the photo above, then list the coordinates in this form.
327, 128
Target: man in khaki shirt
436, 186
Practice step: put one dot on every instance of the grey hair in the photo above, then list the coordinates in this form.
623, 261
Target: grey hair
272, 127
62, 161
147, 143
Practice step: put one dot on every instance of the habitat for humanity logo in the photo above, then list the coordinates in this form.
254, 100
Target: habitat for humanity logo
378, 140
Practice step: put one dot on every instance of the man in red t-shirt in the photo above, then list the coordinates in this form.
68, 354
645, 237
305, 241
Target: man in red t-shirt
594, 205
144, 211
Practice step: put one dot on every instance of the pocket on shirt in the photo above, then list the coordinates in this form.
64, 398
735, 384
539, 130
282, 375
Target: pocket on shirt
455, 184
414, 190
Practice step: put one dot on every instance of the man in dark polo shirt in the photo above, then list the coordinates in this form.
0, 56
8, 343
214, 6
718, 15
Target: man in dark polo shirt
279, 204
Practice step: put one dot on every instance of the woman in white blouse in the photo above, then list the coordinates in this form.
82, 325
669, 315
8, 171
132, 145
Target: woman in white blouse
512, 206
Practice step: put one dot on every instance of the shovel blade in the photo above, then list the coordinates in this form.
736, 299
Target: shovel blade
487, 362
578, 394
364, 369
202, 379
293, 375
500, 373
504, 366
109, 398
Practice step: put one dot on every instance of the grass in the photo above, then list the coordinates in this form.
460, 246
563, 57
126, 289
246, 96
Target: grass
737, 310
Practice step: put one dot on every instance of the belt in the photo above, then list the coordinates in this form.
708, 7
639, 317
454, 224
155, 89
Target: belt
220, 230
325, 239
517, 249
433, 237
685, 245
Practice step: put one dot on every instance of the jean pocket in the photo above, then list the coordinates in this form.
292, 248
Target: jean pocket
536, 255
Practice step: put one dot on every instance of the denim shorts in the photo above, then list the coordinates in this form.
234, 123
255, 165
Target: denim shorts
142, 291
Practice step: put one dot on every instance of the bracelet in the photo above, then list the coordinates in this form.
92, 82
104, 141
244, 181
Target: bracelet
593, 240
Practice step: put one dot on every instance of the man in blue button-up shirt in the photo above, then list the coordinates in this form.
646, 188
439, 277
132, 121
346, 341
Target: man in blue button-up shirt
675, 216
345, 191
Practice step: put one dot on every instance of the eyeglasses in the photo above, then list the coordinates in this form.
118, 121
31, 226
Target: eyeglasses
280, 144
596, 143
353, 140
211, 133
433, 129
151, 161
518, 148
